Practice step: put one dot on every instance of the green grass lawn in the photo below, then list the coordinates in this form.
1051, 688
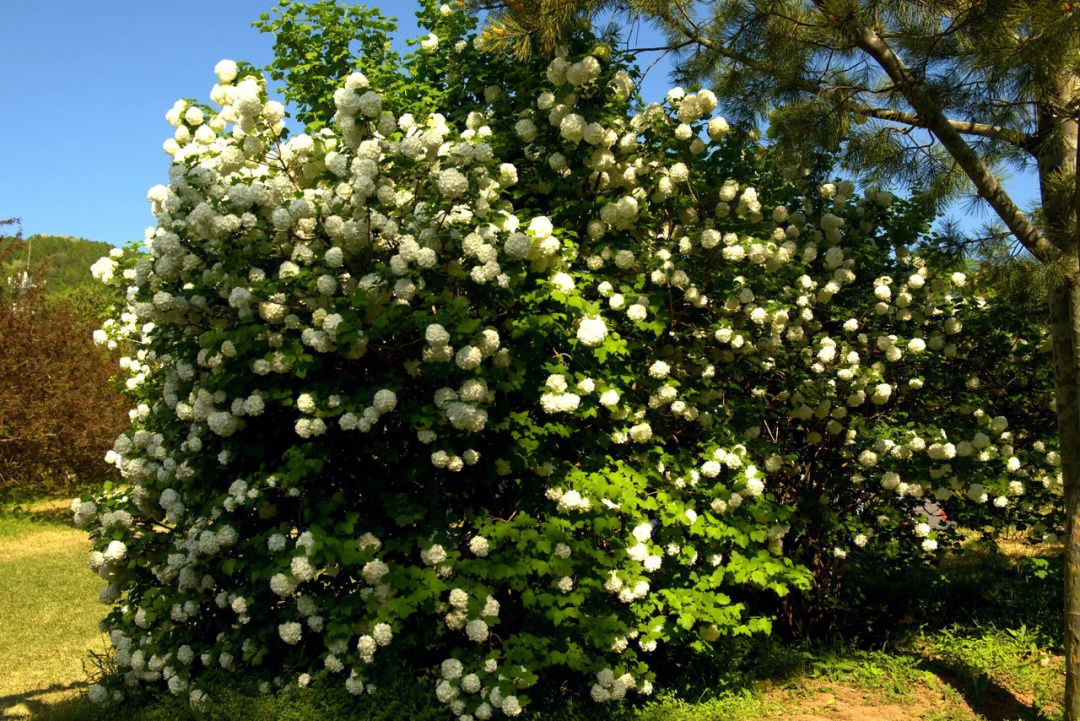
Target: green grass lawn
993, 658
48, 609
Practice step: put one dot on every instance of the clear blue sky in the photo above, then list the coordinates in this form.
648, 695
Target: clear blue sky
84, 87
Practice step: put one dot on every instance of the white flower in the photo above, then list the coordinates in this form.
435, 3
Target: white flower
458, 598
540, 227
452, 184
526, 130
433, 555
384, 401
444, 692
476, 630
641, 433
718, 128
104, 269
624, 260
370, 104
226, 71
510, 706
560, 402
592, 331
572, 128
642, 532
556, 382
881, 394
479, 546
451, 668
564, 282
305, 403
468, 357
115, 552
97, 694
290, 632
193, 116
373, 571
436, 335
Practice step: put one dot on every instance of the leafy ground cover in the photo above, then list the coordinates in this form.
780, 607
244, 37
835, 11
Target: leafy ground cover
979, 646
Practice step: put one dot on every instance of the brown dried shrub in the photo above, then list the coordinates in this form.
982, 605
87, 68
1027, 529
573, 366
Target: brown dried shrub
59, 412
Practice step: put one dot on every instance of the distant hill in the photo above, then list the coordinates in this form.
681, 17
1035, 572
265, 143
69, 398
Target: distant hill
60, 268
62, 261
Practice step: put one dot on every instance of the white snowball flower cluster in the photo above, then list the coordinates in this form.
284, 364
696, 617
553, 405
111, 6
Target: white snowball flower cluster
592, 331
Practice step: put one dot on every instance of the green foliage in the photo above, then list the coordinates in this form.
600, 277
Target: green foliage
528, 388
90, 300
316, 45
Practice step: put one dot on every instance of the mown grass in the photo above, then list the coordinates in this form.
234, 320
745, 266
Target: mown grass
979, 643
48, 609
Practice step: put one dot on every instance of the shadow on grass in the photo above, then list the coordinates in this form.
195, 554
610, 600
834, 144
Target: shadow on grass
37, 707
984, 695
40, 515
47, 501
55, 513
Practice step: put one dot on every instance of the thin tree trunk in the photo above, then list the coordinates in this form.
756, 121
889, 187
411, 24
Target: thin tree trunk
1058, 162
1065, 330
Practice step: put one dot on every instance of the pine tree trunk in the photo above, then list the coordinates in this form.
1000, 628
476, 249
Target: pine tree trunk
1065, 329
1060, 186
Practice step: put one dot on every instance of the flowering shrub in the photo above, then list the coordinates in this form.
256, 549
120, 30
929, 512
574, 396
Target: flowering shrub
500, 371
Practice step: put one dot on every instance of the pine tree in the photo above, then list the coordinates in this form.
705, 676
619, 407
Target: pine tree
940, 96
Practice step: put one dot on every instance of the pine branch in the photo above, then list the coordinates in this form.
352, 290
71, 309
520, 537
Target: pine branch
994, 132
936, 122
694, 36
